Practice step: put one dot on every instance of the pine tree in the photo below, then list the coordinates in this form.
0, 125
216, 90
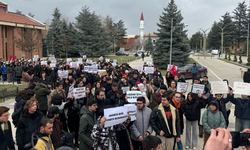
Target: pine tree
93, 39
54, 34
180, 48
195, 40
214, 39
44, 47
74, 40
149, 46
65, 39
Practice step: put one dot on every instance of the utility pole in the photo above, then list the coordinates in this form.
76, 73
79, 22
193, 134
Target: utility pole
247, 39
204, 39
222, 29
171, 41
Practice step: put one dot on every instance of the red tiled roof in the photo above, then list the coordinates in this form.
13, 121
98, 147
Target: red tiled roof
142, 16
14, 18
151, 34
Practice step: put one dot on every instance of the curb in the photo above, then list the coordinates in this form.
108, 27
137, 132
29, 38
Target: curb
234, 63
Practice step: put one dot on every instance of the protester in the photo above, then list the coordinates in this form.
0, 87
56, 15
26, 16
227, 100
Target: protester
206, 82
141, 127
151, 143
134, 79
87, 121
194, 69
242, 111
44, 141
246, 76
53, 114
212, 118
19, 70
165, 122
28, 123
26, 78
105, 137
4, 71
119, 99
6, 139
123, 83
172, 87
42, 91
10, 72
58, 91
34, 82
113, 91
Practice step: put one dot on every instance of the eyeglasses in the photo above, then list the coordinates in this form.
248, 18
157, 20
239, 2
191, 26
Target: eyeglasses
177, 97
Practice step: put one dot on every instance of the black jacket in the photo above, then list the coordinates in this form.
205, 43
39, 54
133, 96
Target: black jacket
242, 107
101, 104
108, 87
115, 101
132, 81
42, 91
193, 109
246, 76
6, 139
158, 123
27, 124
109, 95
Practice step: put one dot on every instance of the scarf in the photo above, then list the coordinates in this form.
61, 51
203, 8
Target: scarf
177, 106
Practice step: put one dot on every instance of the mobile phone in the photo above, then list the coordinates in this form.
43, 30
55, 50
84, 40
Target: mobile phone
240, 139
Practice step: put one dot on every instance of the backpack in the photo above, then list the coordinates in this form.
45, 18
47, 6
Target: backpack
34, 139
17, 113
67, 139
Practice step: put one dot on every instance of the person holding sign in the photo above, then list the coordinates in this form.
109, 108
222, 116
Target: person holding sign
242, 111
141, 127
165, 122
119, 99
105, 137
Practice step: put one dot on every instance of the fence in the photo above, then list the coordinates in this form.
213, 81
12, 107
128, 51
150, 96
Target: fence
4, 94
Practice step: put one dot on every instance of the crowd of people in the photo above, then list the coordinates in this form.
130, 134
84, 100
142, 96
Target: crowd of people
46, 110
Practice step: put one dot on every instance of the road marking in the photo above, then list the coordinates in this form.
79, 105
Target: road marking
212, 72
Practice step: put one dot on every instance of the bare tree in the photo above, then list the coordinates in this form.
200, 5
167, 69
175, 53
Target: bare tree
28, 40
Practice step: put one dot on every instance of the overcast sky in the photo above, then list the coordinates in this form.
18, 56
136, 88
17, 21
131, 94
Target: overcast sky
196, 13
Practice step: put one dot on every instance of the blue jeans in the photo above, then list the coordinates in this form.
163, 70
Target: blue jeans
241, 124
179, 145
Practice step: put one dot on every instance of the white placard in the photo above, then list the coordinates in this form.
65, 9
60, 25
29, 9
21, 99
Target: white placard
36, 56
53, 61
64, 74
71, 90
133, 95
84, 56
114, 64
132, 109
69, 60
140, 68
79, 60
90, 69
114, 60
125, 89
115, 116
149, 70
79, 92
74, 64
149, 63
43, 63
89, 61
181, 87
107, 60
219, 87
35, 59
52, 65
242, 88
198, 88
93, 63
101, 58
52, 58
170, 67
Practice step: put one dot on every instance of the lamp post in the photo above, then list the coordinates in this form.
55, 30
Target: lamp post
171, 40
247, 39
222, 38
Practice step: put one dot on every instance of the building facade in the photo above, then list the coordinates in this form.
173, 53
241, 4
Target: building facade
11, 27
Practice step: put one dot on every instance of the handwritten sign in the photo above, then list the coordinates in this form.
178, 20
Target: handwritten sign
79, 60
69, 60
101, 58
79, 92
43, 63
74, 64
140, 68
84, 56
198, 88
114, 60
35, 59
36, 56
149, 70
181, 87
125, 89
219, 87
170, 67
52, 65
53, 61
52, 58
149, 63
107, 60
132, 109
115, 116
64, 74
242, 88
133, 95
103, 73
71, 90
89, 61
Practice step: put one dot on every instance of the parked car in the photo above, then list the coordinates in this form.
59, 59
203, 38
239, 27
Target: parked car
208, 51
192, 52
122, 53
187, 74
215, 52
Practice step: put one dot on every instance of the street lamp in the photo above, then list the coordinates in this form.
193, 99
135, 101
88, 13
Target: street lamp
172, 28
247, 39
222, 36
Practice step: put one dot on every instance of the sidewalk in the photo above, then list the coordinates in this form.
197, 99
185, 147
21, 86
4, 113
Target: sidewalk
139, 62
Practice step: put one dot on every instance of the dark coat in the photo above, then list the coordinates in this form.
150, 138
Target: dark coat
108, 87
27, 124
56, 134
193, 109
115, 101
132, 81
246, 76
87, 122
110, 94
42, 91
19, 70
242, 107
6, 139
101, 104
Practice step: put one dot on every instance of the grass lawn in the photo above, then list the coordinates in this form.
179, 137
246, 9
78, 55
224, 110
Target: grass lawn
191, 61
120, 59
10, 88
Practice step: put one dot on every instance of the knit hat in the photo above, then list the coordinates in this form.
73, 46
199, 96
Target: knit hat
137, 83
215, 103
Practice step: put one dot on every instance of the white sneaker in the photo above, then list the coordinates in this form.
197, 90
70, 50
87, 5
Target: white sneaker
187, 147
194, 148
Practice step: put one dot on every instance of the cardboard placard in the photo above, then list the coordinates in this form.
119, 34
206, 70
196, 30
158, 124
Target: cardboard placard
198, 88
52, 65
79, 60
79, 92
84, 56
241, 88
74, 64
43, 63
132, 109
64, 74
125, 89
115, 115
103, 73
140, 68
133, 95
181, 87
71, 90
149, 63
36, 56
69, 60
149, 70
219, 87
89, 61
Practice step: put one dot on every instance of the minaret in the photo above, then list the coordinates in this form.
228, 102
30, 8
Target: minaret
141, 30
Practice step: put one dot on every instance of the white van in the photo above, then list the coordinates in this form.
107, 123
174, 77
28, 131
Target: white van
215, 52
